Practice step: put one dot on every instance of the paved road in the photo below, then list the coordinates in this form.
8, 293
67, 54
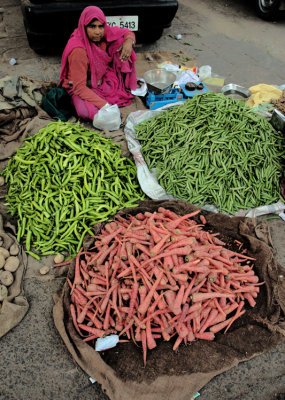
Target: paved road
224, 34
240, 47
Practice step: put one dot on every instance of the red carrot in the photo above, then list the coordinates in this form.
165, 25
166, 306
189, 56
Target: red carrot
80, 298
105, 253
133, 299
204, 296
245, 289
250, 299
177, 343
170, 298
218, 327
77, 276
154, 234
174, 224
74, 318
106, 323
189, 241
205, 335
190, 336
188, 289
127, 327
178, 300
144, 306
179, 251
212, 316
108, 294
198, 285
237, 314
151, 344
98, 324
194, 268
94, 331
107, 239
63, 263
82, 315
157, 248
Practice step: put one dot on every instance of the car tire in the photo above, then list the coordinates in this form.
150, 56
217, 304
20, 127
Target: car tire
267, 9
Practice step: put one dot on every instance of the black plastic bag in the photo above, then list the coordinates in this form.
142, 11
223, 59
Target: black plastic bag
57, 104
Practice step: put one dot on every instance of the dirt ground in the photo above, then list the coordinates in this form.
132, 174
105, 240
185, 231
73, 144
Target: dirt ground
241, 48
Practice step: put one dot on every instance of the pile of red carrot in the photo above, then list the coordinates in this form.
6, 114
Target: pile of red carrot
158, 275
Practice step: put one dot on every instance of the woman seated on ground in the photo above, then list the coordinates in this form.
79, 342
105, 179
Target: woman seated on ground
98, 64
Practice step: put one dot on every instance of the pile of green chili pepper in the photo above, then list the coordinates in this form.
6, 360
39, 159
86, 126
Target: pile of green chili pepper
63, 180
214, 150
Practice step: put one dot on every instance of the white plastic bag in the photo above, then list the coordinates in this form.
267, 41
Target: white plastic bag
108, 117
107, 342
147, 180
205, 72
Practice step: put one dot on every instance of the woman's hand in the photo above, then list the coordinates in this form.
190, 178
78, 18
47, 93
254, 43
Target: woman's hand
126, 49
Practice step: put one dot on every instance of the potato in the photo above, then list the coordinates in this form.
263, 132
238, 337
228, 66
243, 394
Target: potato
3, 292
58, 258
2, 180
14, 249
12, 264
44, 270
6, 278
4, 252
2, 261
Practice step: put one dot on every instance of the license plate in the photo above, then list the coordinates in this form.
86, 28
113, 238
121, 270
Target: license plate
124, 21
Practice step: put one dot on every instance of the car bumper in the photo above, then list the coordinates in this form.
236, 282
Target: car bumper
61, 18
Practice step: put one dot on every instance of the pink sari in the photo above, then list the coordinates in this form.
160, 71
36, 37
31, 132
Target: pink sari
116, 78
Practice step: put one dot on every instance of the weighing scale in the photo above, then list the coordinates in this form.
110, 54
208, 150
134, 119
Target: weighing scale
154, 101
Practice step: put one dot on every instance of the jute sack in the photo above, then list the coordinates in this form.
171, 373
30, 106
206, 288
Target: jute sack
15, 306
179, 375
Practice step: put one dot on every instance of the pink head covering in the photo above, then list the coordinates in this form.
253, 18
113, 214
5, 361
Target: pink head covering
98, 58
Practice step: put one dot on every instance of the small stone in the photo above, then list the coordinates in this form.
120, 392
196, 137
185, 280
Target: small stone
44, 270
4, 252
2, 261
3, 292
14, 250
2, 180
59, 258
12, 264
6, 278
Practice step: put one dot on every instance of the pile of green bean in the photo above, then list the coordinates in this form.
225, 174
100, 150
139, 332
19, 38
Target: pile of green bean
62, 181
214, 150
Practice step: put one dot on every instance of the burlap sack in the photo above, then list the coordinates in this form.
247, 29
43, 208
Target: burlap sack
178, 375
15, 306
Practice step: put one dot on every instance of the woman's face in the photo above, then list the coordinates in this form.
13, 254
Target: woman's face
95, 31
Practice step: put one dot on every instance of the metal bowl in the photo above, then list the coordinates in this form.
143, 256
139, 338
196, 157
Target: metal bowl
159, 80
278, 120
235, 91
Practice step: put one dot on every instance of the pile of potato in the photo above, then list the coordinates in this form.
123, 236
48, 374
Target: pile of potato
9, 263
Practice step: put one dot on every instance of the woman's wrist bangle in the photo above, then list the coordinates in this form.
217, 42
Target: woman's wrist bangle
133, 42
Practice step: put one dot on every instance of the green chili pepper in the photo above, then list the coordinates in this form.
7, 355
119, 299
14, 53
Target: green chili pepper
58, 182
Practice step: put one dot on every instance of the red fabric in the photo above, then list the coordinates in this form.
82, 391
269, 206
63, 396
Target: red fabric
79, 69
111, 78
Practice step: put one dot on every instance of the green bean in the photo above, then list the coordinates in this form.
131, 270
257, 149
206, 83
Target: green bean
62, 181
220, 148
